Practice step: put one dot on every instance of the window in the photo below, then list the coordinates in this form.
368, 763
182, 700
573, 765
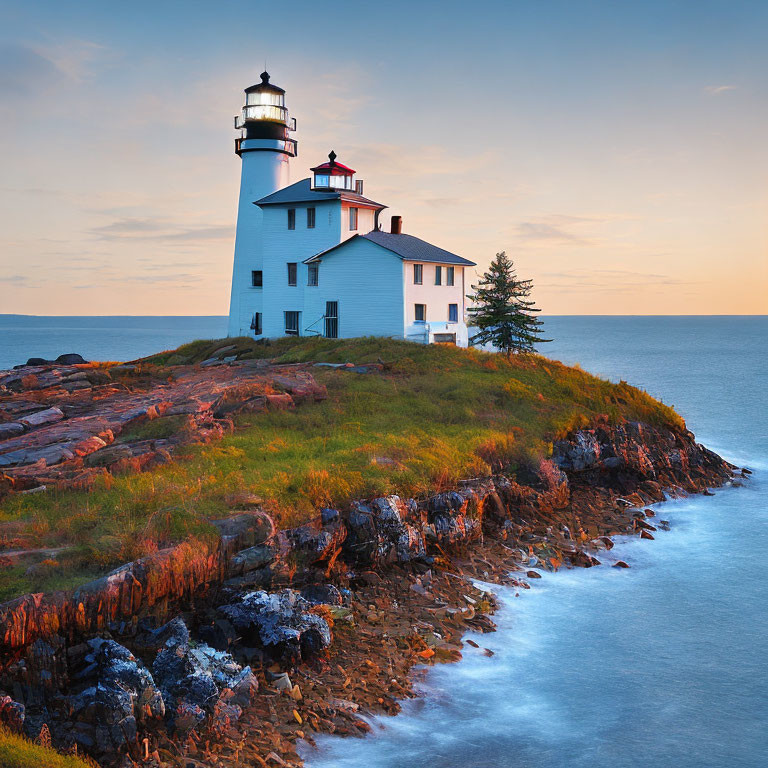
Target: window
453, 313
256, 324
418, 274
291, 323
310, 218
449, 275
421, 313
352, 219
291, 218
438, 275
332, 319
257, 278
292, 267
313, 271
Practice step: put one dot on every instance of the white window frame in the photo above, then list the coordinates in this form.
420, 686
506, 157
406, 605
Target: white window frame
294, 315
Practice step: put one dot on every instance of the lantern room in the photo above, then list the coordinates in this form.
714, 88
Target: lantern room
333, 175
265, 117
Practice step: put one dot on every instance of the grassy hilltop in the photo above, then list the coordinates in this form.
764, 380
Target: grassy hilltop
435, 415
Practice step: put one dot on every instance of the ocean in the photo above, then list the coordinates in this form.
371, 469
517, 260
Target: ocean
99, 338
661, 665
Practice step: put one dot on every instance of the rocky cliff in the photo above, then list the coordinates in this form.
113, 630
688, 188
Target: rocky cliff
262, 599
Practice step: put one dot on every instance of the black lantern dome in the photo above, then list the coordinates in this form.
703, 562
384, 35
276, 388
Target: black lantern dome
264, 115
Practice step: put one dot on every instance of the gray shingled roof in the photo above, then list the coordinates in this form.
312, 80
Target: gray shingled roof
407, 247
411, 248
302, 192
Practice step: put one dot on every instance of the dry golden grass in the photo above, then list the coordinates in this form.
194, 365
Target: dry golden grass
436, 415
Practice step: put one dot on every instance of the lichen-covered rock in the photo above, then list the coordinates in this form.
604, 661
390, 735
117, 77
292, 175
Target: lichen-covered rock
320, 540
452, 518
280, 622
119, 694
197, 679
378, 532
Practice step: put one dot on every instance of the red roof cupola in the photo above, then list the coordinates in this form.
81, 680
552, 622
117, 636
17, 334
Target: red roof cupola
333, 175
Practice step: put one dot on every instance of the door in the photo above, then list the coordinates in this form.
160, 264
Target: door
332, 319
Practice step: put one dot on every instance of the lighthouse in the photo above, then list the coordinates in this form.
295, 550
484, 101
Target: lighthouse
265, 151
311, 258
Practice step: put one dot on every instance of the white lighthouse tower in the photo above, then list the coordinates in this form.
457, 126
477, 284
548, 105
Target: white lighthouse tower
265, 151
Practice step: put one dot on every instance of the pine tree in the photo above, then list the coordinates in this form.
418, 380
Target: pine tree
502, 312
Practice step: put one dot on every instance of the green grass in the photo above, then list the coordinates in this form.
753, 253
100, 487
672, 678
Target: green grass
438, 414
18, 752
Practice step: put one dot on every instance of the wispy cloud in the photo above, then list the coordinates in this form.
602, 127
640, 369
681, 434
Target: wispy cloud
160, 230
607, 280
20, 281
556, 228
716, 90
22, 70
73, 58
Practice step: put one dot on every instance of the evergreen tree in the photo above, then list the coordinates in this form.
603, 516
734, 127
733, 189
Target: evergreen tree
502, 311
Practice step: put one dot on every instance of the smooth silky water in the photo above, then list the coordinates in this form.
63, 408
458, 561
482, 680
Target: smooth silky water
664, 664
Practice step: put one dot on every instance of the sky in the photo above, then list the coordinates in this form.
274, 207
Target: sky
617, 151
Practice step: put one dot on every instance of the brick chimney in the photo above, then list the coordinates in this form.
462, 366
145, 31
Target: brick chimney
397, 225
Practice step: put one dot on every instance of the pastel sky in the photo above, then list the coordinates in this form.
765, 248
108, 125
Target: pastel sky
617, 150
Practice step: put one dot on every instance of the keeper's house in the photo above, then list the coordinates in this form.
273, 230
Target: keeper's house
311, 257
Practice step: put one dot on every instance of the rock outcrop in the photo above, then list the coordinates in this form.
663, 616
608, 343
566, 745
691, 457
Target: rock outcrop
281, 622
100, 693
63, 425
199, 682
118, 695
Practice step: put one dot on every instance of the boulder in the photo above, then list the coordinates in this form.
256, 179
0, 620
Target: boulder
281, 623
252, 559
322, 594
378, 533
117, 695
448, 519
198, 681
71, 358
321, 540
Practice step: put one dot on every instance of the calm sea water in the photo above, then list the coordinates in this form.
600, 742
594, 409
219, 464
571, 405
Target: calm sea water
660, 666
99, 338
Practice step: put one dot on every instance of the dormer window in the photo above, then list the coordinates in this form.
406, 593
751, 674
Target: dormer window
333, 175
